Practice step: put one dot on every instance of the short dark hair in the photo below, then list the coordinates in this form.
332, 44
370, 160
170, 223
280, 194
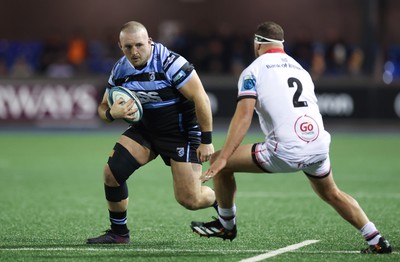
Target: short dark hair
270, 30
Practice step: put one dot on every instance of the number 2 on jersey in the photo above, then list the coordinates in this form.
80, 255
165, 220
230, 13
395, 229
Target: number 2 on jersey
294, 82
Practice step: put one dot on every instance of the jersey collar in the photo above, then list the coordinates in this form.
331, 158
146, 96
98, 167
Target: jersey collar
275, 50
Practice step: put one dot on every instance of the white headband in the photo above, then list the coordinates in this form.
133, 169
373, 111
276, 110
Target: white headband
263, 40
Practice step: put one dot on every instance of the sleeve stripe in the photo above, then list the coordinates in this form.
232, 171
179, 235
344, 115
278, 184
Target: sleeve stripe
246, 96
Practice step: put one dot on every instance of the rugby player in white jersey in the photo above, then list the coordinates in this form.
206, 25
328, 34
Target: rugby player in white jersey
176, 124
281, 92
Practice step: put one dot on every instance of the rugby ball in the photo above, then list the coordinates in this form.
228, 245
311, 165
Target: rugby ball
117, 92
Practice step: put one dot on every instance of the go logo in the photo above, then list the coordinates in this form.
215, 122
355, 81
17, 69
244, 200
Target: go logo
306, 128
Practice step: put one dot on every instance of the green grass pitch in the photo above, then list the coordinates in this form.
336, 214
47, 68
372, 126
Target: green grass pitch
52, 199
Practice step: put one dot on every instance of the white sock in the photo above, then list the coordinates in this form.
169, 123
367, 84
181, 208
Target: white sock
370, 233
229, 213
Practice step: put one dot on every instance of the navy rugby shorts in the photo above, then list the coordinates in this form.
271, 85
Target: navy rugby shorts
179, 146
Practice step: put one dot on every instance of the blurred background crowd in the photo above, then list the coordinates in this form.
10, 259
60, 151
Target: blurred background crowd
218, 52
340, 38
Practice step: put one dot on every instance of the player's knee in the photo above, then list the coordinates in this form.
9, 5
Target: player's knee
189, 202
109, 178
121, 164
194, 201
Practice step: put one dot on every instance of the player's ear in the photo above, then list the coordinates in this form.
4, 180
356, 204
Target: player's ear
119, 45
150, 40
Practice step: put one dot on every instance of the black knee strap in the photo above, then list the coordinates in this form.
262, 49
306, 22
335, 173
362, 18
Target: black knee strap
122, 163
116, 194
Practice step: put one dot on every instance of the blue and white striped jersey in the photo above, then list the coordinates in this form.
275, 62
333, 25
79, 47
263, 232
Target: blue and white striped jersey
156, 84
165, 109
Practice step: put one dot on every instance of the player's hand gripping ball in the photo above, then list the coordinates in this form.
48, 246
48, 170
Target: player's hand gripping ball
117, 92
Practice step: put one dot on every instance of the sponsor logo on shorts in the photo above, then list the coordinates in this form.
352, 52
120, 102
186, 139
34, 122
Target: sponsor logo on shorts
304, 165
180, 151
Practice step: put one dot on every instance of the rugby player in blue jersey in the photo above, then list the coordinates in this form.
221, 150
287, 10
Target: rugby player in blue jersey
176, 124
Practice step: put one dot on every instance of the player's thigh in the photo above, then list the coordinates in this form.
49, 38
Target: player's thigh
141, 153
186, 177
242, 160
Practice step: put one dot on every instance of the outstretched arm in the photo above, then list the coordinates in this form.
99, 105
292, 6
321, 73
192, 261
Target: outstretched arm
238, 128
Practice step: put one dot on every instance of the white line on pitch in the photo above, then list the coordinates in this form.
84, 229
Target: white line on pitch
279, 251
150, 250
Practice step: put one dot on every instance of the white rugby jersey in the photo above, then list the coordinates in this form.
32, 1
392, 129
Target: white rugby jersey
286, 105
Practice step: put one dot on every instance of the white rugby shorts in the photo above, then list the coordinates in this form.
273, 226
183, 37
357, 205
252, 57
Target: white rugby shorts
317, 166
